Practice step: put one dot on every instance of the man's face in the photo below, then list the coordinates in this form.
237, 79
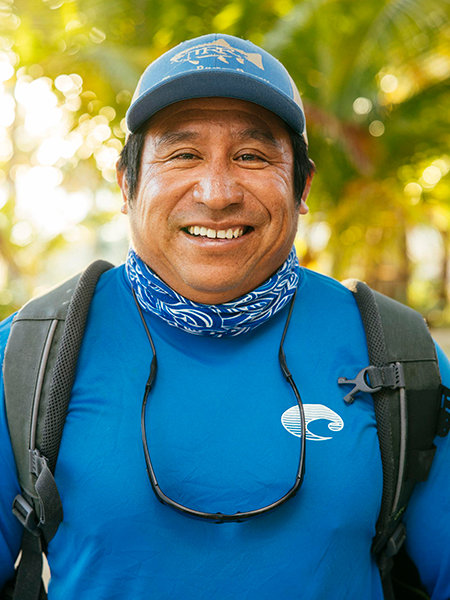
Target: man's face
214, 215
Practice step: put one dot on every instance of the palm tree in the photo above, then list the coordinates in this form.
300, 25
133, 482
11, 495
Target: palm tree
394, 57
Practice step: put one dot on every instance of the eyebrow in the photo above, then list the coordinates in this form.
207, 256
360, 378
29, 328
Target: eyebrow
170, 138
173, 137
259, 134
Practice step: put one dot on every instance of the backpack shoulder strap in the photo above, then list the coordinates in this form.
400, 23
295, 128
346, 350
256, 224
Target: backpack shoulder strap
39, 370
404, 378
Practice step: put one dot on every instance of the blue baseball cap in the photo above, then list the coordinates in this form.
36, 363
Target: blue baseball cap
217, 65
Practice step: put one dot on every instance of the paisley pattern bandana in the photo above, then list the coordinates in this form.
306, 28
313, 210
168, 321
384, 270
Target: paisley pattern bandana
218, 320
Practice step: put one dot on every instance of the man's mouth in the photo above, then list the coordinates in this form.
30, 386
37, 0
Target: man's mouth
224, 234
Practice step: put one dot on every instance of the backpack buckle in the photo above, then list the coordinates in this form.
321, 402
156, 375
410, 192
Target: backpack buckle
26, 515
395, 542
385, 557
36, 462
360, 384
372, 379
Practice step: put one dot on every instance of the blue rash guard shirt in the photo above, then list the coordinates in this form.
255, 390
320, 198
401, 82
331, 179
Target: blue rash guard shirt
223, 433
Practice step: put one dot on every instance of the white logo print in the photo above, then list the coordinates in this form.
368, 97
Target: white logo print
290, 420
219, 49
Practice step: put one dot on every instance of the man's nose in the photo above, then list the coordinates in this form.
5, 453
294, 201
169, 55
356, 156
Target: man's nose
217, 187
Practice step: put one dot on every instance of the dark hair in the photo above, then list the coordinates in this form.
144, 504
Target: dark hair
303, 165
131, 157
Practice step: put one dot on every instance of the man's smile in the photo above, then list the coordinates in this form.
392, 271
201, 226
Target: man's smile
228, 233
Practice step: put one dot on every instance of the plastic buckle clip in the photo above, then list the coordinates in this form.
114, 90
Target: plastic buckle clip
359, 384
399, 376
26, 514
392, 547
395, 542
36, 462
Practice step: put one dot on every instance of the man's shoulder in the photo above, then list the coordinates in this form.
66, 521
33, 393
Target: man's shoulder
323, 287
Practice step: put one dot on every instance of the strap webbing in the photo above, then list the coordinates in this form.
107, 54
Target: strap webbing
29, 584
49, 501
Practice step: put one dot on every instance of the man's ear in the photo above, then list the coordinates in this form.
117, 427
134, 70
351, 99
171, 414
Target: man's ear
304, 209
122, 182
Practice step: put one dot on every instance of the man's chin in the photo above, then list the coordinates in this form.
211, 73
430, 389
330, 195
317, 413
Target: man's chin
212, 290
217, 295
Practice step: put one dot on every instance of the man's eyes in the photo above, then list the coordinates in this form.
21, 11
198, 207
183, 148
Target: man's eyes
246, 157
249, 157
185, 156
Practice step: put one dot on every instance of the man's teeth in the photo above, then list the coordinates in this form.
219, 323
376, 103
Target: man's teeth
212, 233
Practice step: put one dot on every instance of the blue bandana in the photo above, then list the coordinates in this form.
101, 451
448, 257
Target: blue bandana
218, 320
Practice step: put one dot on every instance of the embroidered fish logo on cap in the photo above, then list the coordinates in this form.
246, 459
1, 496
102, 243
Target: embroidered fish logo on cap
219, 49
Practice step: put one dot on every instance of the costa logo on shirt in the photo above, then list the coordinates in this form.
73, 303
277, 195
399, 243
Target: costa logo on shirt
290, 420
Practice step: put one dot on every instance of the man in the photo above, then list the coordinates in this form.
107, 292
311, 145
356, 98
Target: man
214, 176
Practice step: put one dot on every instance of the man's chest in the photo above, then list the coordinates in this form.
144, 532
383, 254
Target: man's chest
223, 432
223, 436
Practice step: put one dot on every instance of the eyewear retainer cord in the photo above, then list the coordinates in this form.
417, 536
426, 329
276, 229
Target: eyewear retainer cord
222, 517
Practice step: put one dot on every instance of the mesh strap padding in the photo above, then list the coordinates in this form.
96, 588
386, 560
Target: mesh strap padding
64, 372
406, 427
378, 357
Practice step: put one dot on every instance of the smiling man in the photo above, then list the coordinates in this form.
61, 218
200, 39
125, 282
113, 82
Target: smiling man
215, 207
161, 495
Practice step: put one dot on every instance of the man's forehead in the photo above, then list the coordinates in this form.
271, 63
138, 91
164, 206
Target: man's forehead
183, 120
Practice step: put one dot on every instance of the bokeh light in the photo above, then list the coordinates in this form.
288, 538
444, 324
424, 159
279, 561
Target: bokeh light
376, 128
362, 106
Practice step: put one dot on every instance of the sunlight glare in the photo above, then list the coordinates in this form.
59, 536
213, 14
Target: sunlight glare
22, 233
3, 197
106, 157
41, 104
7, 110
6, 70
64, 83
6, 149
54, 148
50, 208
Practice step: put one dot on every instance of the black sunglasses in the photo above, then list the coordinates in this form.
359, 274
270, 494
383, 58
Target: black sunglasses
221, 517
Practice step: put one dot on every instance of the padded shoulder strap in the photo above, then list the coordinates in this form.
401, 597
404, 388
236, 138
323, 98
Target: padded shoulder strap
406, 410
39, 368
30, 353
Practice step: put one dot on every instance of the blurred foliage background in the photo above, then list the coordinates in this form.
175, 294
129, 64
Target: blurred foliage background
375, 80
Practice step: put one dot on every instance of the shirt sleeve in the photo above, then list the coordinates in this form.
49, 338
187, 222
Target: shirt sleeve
427, 518
10, 528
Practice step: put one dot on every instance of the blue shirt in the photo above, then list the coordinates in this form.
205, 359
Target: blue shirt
223, 433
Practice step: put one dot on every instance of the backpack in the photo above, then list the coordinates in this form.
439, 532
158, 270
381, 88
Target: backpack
411, 407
